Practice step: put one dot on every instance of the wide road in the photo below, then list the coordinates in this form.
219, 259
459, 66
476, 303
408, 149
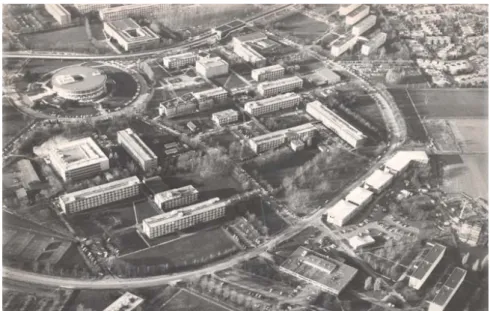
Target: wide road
154, 53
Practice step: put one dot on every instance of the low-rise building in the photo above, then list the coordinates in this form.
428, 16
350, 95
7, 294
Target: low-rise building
323, 76
424, 266
248, 54
357, 14
342, 45
211, 67
360, 197
128, 10
467, 31
438, 40
30, 179
275, 139
177, 197
271, 88
59, 13
131, 36
378, 181
225, 117
332, 121
430, 28
183, 218
470, 233
271, 104
471, 79
341, 213
127, 302
357, 242
137, 149
328, 274
364, 25
84, 8
179, 60
297, 145
448, 290
268, 73
99, 195
373, 44
347, 8
450, 51
402, 159
249, 38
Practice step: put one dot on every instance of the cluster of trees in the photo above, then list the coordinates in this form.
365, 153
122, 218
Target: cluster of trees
47, 268
214, 162
370, 284
395, 76
257, 223
477, 265
384, 266
417, 207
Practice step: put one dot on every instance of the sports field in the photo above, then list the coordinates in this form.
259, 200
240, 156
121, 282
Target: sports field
302, 26
470, 177
187, 301
471, 134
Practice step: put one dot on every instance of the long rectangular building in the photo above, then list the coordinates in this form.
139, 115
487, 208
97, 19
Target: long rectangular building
364, 25
359, 196
373, 44
177, 197
137, 149
448, 290
78, 159
268, 73
332, 121
326, 273
207, 99
84, 8
225, 117
357, 14
125, 11
347, 8
340, 46
59, 13
249, 38
271, 88
30, 179
131, 36
272, 104
427, 263
179, 60
99, 195
341, 213
402, 159
275, 139
378, 181
183, 218
248, 54
211, 67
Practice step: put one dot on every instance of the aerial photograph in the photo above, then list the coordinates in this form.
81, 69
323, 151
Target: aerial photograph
245, 157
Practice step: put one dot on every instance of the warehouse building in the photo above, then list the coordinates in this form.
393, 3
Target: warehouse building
268, 73
364, 25
137, 149
84, 8
448, 290
209, 98
429, 259
211, 67
323, 76
184, 218
59, 13
347, 8
248, 54
30, 179
328, 274
342, 45
341, 213
402, 159
99, 195
360, 197
332, 121
127, 302
357, 14
78, 159
271, 88
357, 242
373, 44
177, 197
249, 38
131, 36
271, 104
225, 117
275, 139
179, 60
378, 181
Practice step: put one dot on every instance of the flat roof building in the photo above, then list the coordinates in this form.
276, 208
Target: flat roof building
79, 83
359, 196
378, 181
59, 13
332, 121
268, 73
271, 104
249, 38
179, 60
99, 195
374, 43
341, 45
324, 272
30, 179
84, 8
131, 36
177, 107
78, 159
271, 88
127, 302
211, 67
225, 117
357, 242
341, 213
448, 290
347, 8
127, 10
323, 76
177, 197
137, 149
429, 259
248, 54
216, 95
357, 14
364, 25
400, 161
183, 218
275, 139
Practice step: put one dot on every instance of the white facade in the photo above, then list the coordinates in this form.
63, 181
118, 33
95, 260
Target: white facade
271, 88
271, 104
137, 149
268, 73
125, 11
59, 13
359, 196
211, 67
364, 25
373, 44
357, 242
275, 139
85, 8
426, 265
225, 117
179, 60
341, 213
400, 161
347, 8
177, 197
378, 181
248, 54
130, 36
357, 14
340, 46
127, 302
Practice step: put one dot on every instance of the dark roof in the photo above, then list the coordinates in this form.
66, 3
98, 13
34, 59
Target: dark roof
155, 184
449, 288
428, 260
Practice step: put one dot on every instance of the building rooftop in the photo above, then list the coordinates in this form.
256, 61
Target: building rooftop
280, 82
251, 53
97, 190
254, 36
379, 37
271, 100
209, 62
209, 93
126, 302
78, 78
59, 9
155, 184
28, 172
371, 19
357, 241
429, 258
450, 287
225, 113
320, 269
179, 56
358, 10
176, 193
359, 196
171, 216
273, 135
403, 158
136, 144
344, 40
341, 209
79, 152
323, 75
267, 69
131, 31
378, 179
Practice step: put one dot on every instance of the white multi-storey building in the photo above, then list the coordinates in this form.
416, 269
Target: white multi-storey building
207, 99
137, 149
340, 46
211, 67
429, 260
225, 117
248, 54
347, 8
271, 88
183, 218
357, 14
85, 8
125, 11
364, 25
78, 159
179, 60
177, 197
275, 139
249, 38
271, 104
268, 73
131, 36
373, 44
127, 302
332, 121
99, 195
59, 13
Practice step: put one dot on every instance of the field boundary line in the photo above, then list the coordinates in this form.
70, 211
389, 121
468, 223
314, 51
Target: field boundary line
153, 246
170, 299
208, 300
418, 114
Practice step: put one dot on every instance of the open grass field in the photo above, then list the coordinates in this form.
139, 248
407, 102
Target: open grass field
470, 177
13, 121
69, 39
303, 27
471, 134
234, 81
187, 301
442, 135
129, 242
94, 299
265, 213
200, 247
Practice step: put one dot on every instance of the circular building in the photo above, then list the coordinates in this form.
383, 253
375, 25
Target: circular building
79, 83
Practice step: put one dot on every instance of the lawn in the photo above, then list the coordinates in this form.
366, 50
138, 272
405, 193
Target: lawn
280, 120
194, 249
185, 300
129, 242
234, 81
470, 177
303, 27
471, 134
93, 299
